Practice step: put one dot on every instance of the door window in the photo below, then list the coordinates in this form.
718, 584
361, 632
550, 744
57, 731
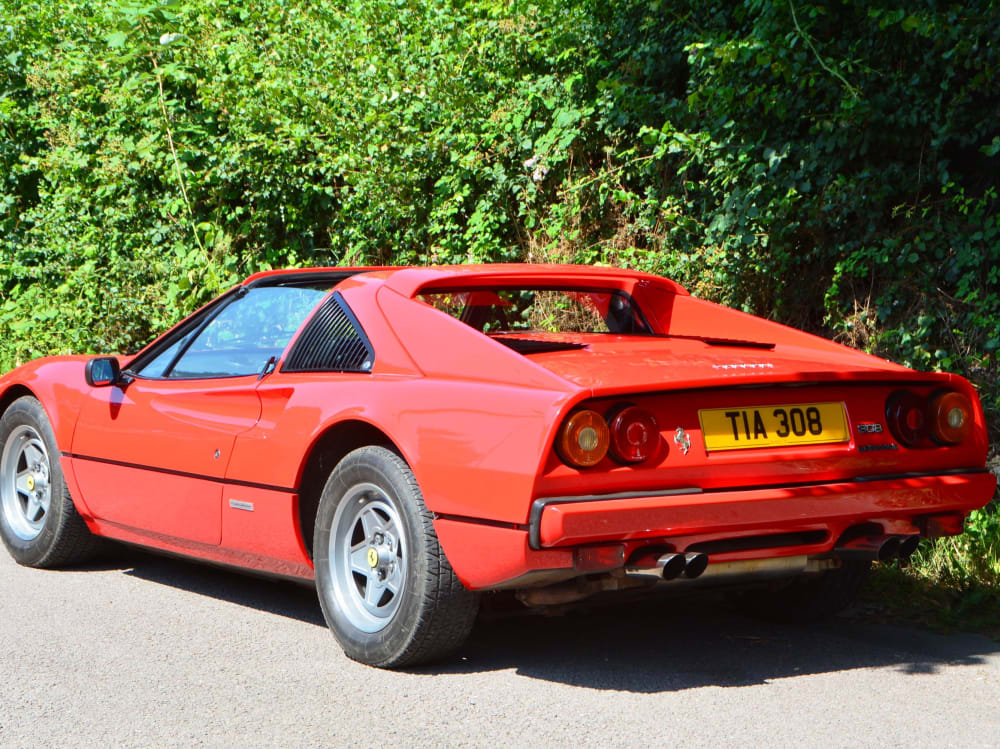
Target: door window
242, 337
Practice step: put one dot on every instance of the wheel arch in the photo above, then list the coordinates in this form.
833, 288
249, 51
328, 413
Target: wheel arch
326, 452
14, 392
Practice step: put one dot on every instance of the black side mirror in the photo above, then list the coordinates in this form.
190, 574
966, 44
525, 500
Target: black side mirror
103, 372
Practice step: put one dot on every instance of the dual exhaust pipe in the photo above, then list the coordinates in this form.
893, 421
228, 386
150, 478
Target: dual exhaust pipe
645, 573
691, 565
673, 565
877, 548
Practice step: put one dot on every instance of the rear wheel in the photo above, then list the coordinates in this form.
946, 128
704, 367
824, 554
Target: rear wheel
387, 591
38, 522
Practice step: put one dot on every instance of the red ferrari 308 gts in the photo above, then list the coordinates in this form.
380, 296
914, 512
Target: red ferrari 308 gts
412, 437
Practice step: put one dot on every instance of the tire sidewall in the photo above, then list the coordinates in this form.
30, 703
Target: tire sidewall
27, 411
385, 470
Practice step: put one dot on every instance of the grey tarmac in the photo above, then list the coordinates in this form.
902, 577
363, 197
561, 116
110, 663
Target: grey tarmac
139, 650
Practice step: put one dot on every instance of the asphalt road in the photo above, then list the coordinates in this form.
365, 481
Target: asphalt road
141, 650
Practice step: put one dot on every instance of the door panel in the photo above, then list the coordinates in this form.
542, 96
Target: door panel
153, 455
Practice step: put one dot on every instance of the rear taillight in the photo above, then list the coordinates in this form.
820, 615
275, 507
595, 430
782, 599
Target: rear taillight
950, 417
946, 417
906, 414
634, 435
583, 439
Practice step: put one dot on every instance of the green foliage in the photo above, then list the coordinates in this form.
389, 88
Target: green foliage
975, 555
951, 583
830, 165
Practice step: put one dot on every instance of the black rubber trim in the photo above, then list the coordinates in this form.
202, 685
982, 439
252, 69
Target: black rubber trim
730, 342
183, 474
481, 521
763, 541
918, 474
305, 277
539, 505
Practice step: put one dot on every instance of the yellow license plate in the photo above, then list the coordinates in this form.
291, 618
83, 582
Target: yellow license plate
773, 426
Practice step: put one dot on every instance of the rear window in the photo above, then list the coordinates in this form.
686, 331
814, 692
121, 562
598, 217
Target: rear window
542, 310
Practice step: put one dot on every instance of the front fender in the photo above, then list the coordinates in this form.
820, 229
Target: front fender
58, 383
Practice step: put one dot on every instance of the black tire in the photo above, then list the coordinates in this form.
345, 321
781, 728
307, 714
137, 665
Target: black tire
811, 597
390, 597
37, 535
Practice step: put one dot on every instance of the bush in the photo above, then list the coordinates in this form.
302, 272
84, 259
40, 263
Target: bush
975, 555
832, 165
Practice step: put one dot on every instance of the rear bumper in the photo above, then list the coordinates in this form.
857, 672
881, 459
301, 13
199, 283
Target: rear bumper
739, 524
834, 507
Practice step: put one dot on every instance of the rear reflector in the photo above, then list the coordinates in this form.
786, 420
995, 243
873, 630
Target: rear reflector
595, 558
945, 524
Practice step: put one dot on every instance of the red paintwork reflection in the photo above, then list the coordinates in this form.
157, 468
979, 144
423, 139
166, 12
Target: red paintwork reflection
185, 427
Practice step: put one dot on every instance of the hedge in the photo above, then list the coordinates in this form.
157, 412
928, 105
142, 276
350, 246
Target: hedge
833, 166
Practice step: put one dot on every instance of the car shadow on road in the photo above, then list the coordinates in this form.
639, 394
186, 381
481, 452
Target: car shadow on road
273, 596
670, 644
697, 641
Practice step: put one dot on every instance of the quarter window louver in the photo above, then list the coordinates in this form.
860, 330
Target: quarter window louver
332, 342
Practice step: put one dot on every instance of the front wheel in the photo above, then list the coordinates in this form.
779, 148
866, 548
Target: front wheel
38, 522
387, 591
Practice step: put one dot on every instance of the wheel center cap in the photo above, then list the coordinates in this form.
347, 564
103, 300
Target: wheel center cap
372, 557
30, 483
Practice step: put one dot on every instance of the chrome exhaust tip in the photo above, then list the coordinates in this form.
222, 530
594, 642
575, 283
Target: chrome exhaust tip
869, 548
694, 564
671, 566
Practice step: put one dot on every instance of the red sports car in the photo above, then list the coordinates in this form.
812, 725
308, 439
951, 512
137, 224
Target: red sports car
412, 437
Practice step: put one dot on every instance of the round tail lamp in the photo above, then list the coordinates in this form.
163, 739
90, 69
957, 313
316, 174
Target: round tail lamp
634, 435
583, 439
950, 417
906, 414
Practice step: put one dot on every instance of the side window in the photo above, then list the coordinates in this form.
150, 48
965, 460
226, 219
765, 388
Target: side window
157, 366
244, 335
333, 341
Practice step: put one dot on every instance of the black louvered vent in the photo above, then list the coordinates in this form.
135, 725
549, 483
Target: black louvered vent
332, 342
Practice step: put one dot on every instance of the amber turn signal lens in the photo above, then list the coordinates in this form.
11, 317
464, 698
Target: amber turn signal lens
906, 414
951, 417
634, 435
583, 439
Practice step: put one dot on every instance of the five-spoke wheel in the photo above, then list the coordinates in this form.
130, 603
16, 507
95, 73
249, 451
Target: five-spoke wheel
367, 557
387, 590
39, 523
24, 482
